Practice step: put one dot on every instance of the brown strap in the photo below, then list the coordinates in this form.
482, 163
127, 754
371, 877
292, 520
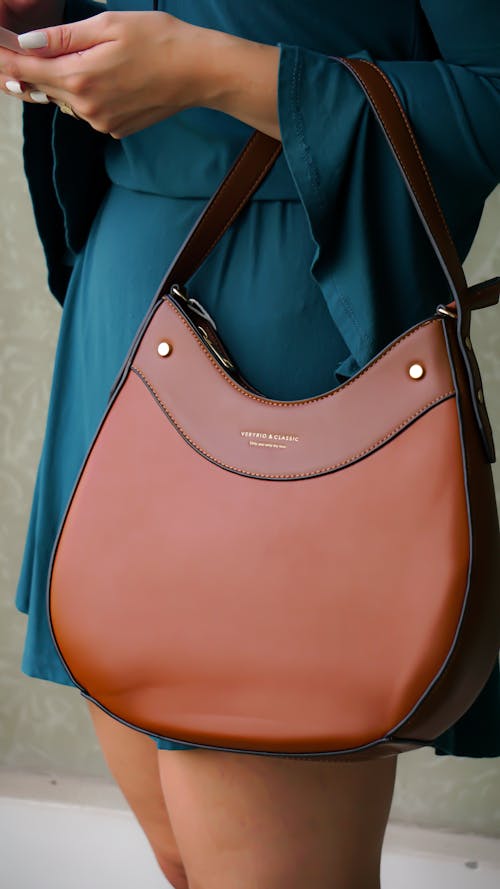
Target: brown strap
391, 116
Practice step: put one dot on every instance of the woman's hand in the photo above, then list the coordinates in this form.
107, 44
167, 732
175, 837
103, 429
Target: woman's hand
24, 15
124, 71
119, 71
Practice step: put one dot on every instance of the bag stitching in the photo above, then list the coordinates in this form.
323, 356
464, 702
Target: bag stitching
285, 404
351, 459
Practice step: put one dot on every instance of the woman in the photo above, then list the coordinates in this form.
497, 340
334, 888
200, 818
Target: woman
165, 101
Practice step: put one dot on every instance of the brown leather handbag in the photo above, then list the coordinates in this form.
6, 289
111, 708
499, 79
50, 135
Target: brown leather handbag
312, 579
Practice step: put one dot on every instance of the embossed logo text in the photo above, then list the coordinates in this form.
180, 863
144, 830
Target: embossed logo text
268, 439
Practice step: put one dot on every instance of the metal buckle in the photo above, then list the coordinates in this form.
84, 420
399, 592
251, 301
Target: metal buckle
200, 310
444, 310
180, 293
213, 348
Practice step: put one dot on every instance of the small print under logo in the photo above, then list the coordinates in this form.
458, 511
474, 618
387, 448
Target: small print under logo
269, 439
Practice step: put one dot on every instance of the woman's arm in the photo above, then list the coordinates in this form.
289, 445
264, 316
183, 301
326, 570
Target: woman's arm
243, 81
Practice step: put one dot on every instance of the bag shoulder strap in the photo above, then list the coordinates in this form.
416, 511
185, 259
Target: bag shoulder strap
257, 158
259, 154
391, 116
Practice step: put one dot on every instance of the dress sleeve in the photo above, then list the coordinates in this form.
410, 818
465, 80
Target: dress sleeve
64, 166
372, 260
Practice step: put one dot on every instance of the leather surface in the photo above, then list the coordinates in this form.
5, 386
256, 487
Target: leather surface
338, 594
478, 639
255, 435
271, 615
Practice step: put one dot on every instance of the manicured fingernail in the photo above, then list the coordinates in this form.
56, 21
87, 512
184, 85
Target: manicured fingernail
33, 40
14, 86
39, 97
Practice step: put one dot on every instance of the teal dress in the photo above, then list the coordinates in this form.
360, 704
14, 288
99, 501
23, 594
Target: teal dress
325, 267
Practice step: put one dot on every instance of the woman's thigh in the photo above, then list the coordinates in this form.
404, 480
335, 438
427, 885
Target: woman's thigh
264, 823
133, 761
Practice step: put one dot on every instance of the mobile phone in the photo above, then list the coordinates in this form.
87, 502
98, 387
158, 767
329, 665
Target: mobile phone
9, 40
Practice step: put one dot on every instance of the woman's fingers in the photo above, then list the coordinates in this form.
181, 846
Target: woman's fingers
27, 92
30, 69
39, 97
41, 80
70, 38
59, 64
47, 52
120, 72
15, 87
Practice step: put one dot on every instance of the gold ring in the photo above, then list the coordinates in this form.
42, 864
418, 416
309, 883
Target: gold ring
67, 109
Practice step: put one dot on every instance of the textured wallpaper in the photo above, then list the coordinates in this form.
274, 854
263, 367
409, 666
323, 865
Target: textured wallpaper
45, 727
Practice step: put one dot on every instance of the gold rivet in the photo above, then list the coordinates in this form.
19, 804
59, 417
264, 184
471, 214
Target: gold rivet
164, 348
468, 342
416, 371
480, 395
